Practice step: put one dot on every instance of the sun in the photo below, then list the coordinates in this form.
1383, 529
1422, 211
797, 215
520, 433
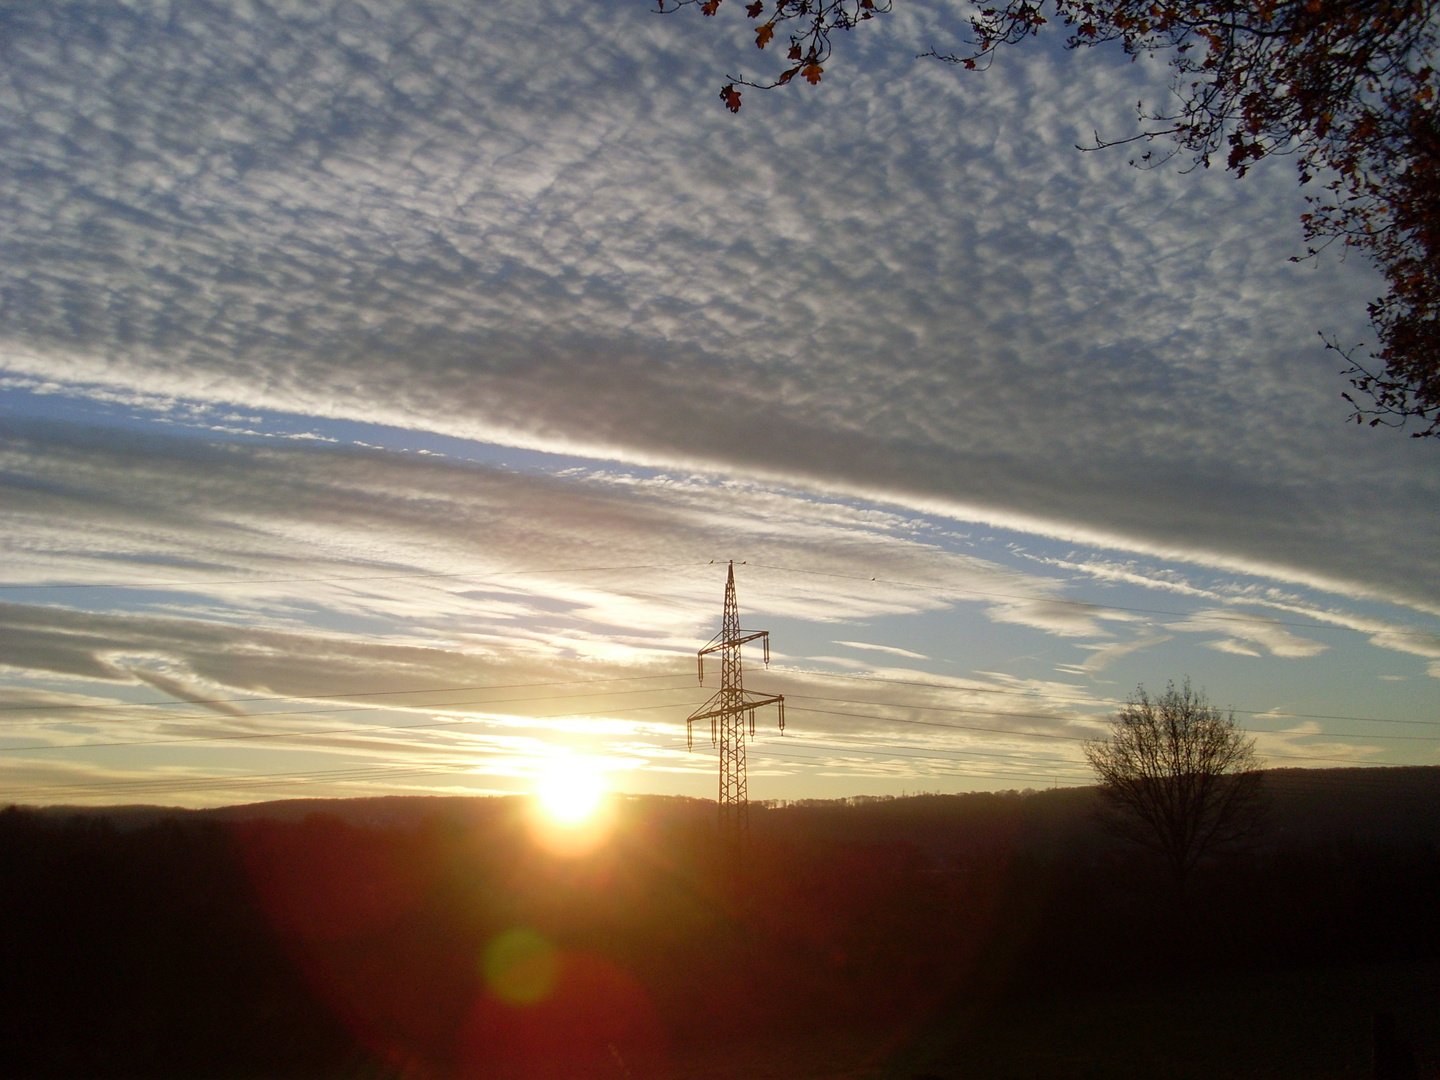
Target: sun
570, 791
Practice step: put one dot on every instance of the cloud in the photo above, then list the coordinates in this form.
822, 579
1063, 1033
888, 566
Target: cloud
403, 706
302, 580
281, 567
1230, 645
790, 338
1067, 618
1242, 593
883, 648
904, 284
1245, 632
1131, 572
175, 682
1105, 655
1303, 745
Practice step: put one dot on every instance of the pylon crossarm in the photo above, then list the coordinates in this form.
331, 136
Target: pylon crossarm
750, 700
702, 714
728, 710
754, 700
710, 708
720, 641
750, 704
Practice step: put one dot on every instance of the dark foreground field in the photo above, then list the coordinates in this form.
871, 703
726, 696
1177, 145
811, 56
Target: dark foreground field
978, 936
1310, 1022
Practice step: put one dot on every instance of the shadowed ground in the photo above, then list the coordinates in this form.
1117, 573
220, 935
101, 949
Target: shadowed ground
960, 937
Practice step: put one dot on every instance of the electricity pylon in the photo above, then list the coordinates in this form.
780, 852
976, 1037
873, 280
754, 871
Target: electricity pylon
729, 709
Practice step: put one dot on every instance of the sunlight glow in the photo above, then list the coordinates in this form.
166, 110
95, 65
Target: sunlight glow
571, 815
570, 791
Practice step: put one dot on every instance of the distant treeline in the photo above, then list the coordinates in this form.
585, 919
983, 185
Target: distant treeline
359, 937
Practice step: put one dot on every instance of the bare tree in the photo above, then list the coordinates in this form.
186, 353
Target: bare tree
1179, 777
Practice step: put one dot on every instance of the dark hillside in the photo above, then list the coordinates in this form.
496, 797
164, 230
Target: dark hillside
437, 938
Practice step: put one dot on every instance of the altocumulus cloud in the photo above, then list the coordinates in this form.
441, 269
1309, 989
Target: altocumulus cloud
330, 604
529, 223
435, 554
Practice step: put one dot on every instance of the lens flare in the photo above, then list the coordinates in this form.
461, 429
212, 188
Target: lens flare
520, 966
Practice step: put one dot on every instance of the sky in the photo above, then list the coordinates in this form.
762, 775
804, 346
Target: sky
385, 387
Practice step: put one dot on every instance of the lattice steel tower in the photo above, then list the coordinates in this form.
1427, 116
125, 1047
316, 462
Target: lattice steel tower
730, 709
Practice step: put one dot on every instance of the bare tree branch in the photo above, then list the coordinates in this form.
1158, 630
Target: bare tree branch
1179, 777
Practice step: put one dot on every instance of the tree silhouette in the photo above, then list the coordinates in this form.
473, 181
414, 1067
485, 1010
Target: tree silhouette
1179, 777
1345, 87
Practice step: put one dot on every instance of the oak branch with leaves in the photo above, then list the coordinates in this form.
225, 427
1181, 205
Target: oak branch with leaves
811, 24
1347, 88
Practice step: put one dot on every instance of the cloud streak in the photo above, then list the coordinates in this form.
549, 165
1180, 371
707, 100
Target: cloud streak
810, 338
413, 213
1246, 636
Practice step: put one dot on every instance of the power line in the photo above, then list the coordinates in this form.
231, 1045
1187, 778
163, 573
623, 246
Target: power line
161, 784
425, 707
367, 577
931, 587
937, 723
345, 696
485, 702
967, 752
1107, 702
482, 702
637, 678
376, 729
178, 785
956, 755
200, 783
430, 707
1046, 778
366, 729
939, 708
1068, 719
964, 590
1037, 734
1065, 766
